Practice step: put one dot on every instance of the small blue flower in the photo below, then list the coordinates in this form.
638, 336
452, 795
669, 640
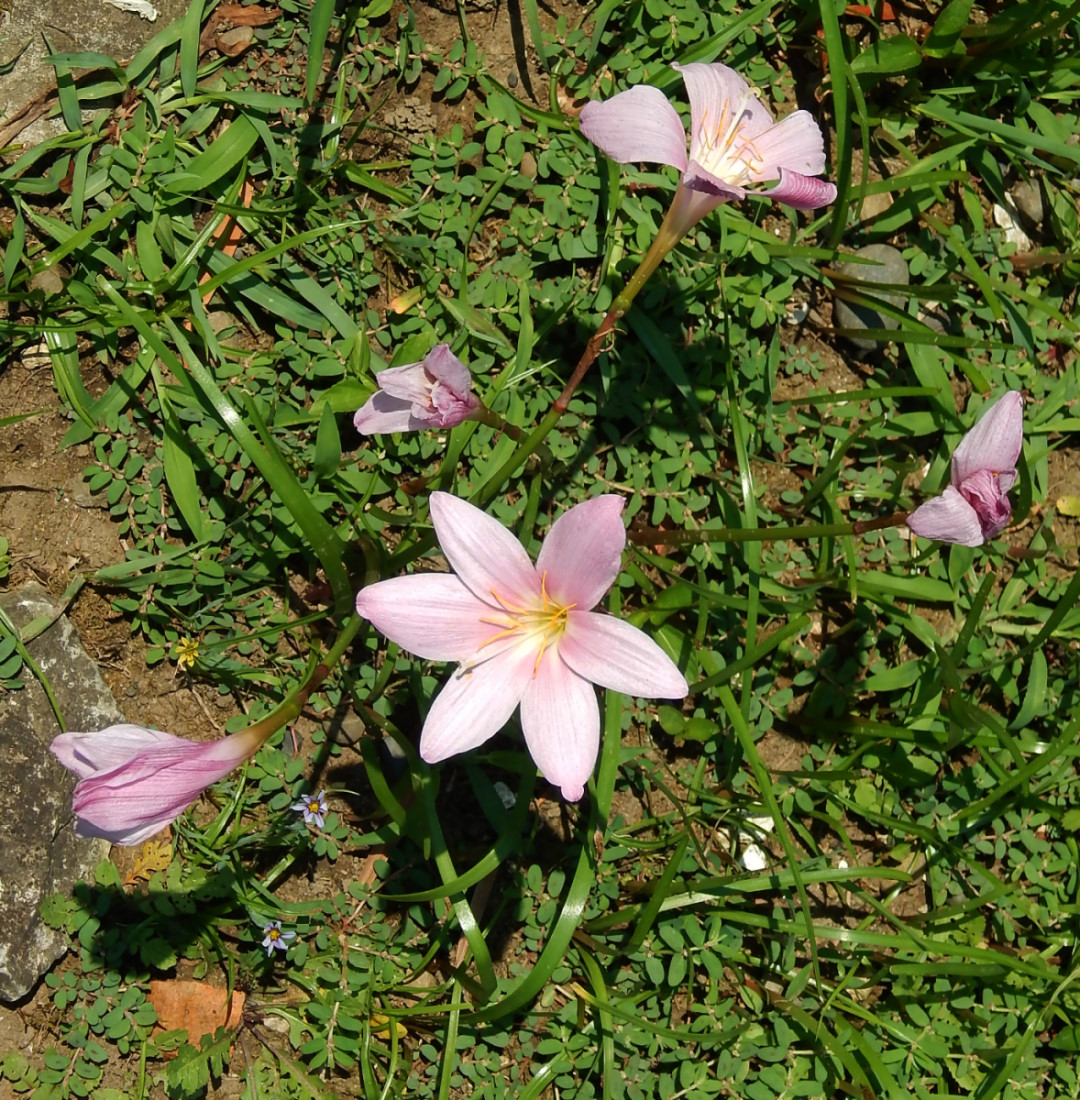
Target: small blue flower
314, 809
276, 940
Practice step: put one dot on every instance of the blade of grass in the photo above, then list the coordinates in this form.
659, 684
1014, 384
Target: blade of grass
191, 29
322, 16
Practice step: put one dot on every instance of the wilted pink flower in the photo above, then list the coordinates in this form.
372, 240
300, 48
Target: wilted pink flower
975, 507
434, 393
734, 143
523, 634
135, 781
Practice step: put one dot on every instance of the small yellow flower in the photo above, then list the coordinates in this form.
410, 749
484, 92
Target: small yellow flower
186, 652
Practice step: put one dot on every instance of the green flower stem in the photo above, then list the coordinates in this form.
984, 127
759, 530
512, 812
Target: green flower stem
666, 238
655, 536
494, 420
293, 704
661, 246
520, 453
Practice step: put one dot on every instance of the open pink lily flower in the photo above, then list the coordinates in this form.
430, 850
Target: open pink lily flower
134, 781
734, 143
434, 393
523, 634
975, 507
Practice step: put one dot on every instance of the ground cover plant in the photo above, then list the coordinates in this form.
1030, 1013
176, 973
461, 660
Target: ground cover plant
844, 864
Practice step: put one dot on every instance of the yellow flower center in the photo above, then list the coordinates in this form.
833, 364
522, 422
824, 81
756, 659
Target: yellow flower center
545, 623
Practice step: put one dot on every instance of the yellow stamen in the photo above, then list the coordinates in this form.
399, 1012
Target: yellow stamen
547, 622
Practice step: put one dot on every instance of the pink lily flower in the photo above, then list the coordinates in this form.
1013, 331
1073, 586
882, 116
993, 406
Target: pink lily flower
523, 634
734, 143
134, 781
434, 393
975, 507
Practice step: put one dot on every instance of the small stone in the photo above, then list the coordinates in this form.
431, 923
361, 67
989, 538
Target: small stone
233, 42
934, 320
888, 266
873, 206
49, 280
1008, 218
1027, 195
220, 320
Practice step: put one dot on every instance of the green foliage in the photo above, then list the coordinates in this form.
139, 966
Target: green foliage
847, 863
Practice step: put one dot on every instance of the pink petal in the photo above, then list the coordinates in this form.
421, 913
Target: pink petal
448, 409
995, 441
474, 705
561, 722
987, 493
716, 92
794, 143
710, 189
616, 655
383, 414
125, 835
86, 754
432, 615
444, 366
582, 553
801, 192
133, 801
408, 383
483, 553
947, 518
639, 124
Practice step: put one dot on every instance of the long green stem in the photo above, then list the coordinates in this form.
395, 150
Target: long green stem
666, 239
655, 536
294, 703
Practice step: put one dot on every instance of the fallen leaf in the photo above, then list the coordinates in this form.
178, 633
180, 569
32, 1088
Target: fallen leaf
382, 1023
198, 1008
246, 15
1068, 505
154, 855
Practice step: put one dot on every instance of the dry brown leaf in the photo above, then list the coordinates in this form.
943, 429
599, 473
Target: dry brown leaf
154, 855
195, 1006
246, 15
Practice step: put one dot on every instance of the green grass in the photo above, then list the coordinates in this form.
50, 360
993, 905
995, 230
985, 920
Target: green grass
905, 716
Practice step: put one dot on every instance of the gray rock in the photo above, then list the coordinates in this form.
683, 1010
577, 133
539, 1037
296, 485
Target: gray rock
33, 29
889, 266
1027, 196
39, 852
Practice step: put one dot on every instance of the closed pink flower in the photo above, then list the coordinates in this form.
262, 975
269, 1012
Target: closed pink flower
975, 506
523, 635
434, 393
134, 781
